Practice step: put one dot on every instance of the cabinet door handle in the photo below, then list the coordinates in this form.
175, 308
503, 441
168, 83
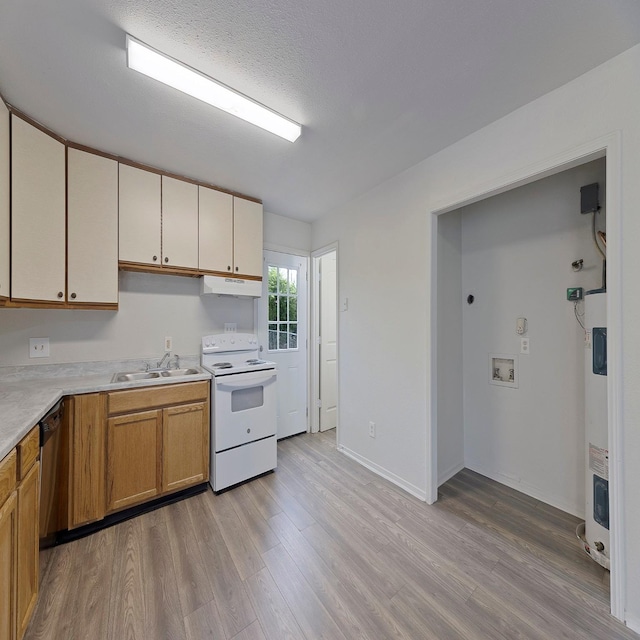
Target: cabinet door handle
236, 268
73, 296
166, 259
155, 258
229, 268
60, 294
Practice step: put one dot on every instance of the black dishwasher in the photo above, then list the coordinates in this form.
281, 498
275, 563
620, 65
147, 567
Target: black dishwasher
53, 475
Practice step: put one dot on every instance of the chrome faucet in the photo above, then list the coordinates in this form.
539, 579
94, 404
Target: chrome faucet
176, 361
166, 356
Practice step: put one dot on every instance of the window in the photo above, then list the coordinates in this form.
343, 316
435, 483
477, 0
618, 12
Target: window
283, 308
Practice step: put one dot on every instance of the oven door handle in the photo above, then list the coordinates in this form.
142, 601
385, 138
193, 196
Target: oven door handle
240, 380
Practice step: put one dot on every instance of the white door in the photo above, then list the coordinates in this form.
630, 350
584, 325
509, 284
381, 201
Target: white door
328, 342
282, 331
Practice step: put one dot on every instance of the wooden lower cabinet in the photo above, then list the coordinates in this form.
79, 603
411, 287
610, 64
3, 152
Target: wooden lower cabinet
19, 537
185, 446
133, 454
28, 547
87, 492
8, 566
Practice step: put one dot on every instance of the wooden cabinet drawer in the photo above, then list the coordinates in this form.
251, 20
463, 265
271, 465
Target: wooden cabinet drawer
8, 475
28, 451
154, 397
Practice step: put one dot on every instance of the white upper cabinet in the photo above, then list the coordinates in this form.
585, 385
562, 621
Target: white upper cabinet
140, 215
216, 230
37, 214
247, 237
230, 234
92, 228
5, 225
179, 223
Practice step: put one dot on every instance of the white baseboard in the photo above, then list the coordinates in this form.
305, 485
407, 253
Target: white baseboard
531, 490
449, 473
633, 623
421, 494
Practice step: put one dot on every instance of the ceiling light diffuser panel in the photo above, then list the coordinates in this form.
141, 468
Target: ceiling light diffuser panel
156, 65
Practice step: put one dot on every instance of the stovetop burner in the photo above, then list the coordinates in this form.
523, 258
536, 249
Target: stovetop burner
222, 365
256, 361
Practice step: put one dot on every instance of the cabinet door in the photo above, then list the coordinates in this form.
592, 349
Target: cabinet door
28, 527
247, 237
37, 214
92, 228
185, 437
8, 566
5, 228
216, 230
179, 223
139, 203
87, 490
133, 453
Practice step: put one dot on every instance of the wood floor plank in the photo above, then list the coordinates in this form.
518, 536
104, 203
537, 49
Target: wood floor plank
252, 632
50, 619
234, 606
368, 565
195, 586
264, 501
205, 623
126, 610
324, 548
315, 622
276, 619
234, 532
356, 610
164, 617
282, 496
255, 525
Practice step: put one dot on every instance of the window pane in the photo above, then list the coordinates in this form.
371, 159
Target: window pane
283, 280
273, 279
293, 308
273, 307
283, 338
293, 336
273, 336
293, 281
283, 308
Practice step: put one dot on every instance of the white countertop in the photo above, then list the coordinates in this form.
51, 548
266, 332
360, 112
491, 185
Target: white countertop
27, 393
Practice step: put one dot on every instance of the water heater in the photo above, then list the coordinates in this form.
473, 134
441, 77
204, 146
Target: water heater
596, 422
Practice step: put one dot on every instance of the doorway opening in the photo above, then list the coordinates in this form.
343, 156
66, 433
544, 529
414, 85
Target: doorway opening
453, 403
325, 341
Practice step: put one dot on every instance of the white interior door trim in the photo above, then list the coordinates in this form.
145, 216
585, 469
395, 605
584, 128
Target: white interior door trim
314, 352
609, 146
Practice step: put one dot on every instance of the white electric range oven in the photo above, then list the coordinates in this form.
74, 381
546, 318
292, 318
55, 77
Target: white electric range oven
243, 408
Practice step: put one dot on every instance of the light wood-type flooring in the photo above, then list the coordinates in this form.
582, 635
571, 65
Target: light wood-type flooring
323, 548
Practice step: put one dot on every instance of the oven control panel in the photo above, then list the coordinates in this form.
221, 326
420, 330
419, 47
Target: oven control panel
226, 342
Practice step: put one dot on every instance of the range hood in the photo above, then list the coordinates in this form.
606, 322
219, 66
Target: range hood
228, 286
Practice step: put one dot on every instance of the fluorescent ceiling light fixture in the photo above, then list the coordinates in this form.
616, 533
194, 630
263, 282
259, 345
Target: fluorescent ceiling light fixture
156, 65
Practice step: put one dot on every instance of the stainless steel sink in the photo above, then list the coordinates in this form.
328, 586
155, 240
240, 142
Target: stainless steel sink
172, 373
129, 376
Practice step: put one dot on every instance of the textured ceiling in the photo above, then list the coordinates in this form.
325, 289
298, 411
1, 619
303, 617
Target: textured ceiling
377, 86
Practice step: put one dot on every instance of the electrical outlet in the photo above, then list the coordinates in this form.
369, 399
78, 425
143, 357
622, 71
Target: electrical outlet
230, 327
38, 347
168, 343
524, 346
372, 429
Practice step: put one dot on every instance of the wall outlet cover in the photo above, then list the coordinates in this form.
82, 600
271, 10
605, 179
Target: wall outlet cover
38, 347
